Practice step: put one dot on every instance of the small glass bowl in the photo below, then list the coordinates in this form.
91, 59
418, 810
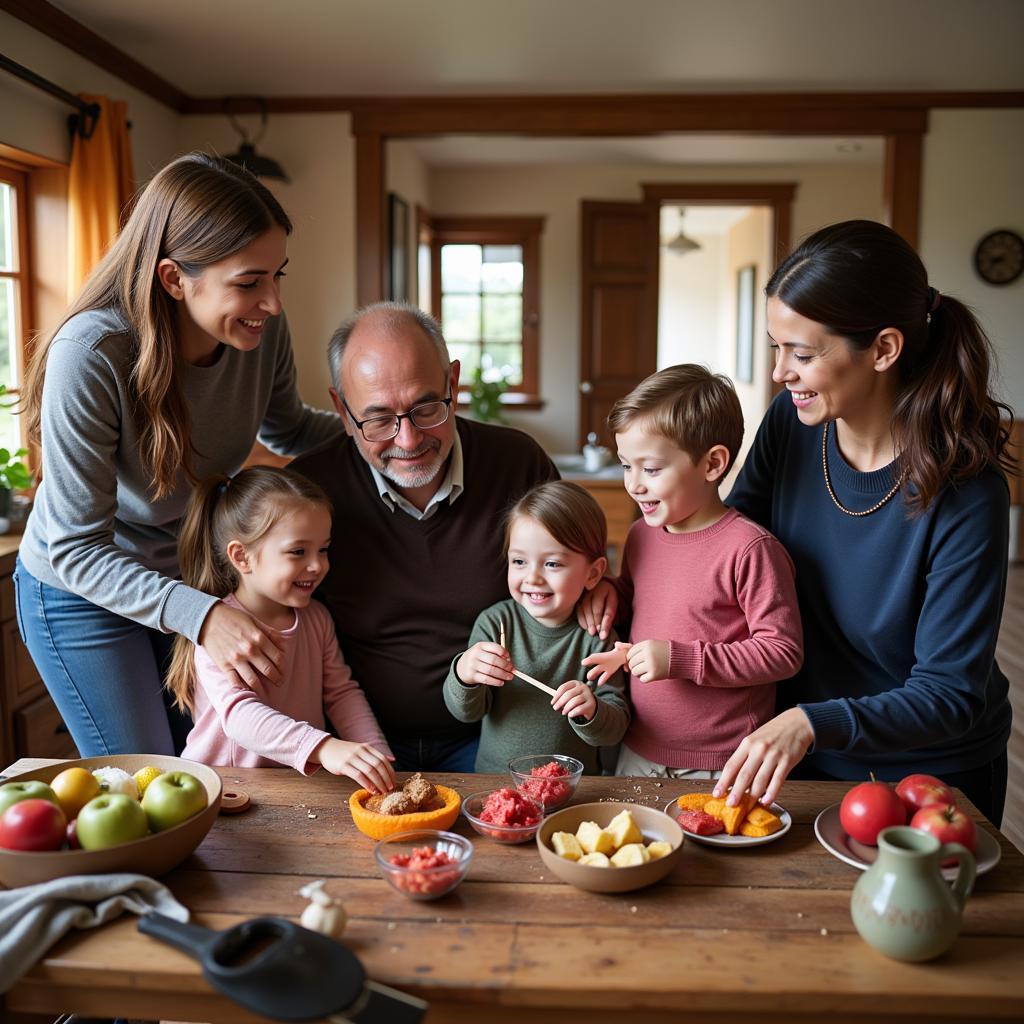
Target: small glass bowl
424, 883
552, 793
473, 805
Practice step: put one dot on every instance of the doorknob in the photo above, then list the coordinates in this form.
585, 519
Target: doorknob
586, 387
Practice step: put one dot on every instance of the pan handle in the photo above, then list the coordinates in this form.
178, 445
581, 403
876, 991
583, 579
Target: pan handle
190, 939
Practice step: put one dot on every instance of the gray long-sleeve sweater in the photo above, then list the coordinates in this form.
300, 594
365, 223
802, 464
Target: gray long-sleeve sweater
94, 529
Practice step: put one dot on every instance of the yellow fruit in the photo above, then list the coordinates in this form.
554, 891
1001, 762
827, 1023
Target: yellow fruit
630, 854
566, 845
74, 788
144, 776
623, 830
659, 848
593, 838
595, 860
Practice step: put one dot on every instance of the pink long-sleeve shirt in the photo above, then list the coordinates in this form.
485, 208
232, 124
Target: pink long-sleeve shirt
270, 725
725, 599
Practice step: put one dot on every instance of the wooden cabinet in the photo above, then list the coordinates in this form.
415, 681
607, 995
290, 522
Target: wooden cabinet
30, 725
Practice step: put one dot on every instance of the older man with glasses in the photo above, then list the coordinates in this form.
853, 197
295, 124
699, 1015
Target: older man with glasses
416, 549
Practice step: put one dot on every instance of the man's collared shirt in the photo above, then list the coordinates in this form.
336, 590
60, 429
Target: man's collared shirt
451, 487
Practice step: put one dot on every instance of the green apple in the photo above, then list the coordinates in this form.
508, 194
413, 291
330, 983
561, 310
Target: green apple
109, 820
28, 789
172, 798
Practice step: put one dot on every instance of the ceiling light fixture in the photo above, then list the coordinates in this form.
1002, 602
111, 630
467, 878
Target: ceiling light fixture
247, 157
682, 243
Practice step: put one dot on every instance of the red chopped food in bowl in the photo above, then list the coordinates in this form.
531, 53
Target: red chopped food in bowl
420, 879
544, 785
700, 823
506, 806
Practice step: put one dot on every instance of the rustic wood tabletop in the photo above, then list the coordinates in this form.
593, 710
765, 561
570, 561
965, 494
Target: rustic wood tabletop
759, 933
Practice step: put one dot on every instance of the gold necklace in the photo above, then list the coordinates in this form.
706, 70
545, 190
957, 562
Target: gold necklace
832, 494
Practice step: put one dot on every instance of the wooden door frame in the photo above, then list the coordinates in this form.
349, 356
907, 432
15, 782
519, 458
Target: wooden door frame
901, 122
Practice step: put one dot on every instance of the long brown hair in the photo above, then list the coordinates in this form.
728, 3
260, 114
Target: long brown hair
223, 509
197, 211
858, 278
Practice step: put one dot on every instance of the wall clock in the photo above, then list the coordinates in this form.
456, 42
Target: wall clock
999, 257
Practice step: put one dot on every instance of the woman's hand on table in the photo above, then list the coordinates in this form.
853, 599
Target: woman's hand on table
240, 646
765, 758
595, 610
362, 763
484, 664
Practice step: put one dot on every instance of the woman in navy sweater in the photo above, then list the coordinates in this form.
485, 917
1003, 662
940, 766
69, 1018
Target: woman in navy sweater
880, 467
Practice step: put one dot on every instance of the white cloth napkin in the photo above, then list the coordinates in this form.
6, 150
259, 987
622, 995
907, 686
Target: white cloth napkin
34, 917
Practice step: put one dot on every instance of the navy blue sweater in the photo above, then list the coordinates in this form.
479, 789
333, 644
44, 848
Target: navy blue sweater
900, 615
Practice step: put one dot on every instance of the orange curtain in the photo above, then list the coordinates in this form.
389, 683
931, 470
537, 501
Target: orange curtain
100, 187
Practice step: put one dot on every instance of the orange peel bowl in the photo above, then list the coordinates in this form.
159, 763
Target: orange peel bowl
377, 826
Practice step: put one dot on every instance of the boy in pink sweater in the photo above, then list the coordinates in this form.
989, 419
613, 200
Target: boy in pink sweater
713, 603
259, 541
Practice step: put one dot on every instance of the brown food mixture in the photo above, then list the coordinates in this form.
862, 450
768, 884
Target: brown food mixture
416, 796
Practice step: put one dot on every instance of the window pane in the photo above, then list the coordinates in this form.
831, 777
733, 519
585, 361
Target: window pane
460, 317
469, 356
6, 227
423, 278
504, 361
460, 268
10, 432
503, 268
503, 318
8, 329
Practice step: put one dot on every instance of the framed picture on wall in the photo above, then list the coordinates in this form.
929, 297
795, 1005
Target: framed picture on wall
398, 248
745, 324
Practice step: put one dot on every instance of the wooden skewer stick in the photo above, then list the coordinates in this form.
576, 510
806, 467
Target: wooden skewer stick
522, 675
534, 682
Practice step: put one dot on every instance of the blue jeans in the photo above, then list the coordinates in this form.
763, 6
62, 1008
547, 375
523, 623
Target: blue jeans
437, 755
103, 671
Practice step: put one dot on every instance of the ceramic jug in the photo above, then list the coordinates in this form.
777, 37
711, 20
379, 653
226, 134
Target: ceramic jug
902, 905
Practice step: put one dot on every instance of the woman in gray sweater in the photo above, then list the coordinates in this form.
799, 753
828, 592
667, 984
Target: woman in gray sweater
171, 362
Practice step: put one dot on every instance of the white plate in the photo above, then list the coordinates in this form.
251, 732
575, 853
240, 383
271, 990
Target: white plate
833, 837
672, 808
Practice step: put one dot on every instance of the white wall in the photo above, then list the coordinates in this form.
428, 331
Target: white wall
409, 177
34, 121
973, 184
689, 302
318, 153
825, 193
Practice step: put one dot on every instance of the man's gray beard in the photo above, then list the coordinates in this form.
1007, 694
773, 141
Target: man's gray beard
408, 479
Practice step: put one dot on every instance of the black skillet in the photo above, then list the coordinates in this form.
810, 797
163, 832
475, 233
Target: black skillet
276, 968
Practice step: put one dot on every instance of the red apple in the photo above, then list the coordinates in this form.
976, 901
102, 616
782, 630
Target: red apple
868, 808
917, 791
948, 824
32, 824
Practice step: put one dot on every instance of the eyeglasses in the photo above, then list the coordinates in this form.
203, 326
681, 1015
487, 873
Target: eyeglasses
423, 416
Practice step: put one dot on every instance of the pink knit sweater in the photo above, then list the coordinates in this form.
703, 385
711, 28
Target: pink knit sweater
271, 724
724, 598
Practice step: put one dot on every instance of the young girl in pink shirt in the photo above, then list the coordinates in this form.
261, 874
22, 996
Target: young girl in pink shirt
259, 541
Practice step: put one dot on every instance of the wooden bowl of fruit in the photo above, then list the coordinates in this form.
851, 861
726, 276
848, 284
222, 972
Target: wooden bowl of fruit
82, 817
610, 847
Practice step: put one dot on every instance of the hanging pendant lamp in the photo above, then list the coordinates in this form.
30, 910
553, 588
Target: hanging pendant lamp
682, 243
247, 157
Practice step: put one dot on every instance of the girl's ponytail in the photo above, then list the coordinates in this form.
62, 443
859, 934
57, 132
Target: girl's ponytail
202, 569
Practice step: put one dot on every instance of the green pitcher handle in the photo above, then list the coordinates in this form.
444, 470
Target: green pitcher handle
966, 870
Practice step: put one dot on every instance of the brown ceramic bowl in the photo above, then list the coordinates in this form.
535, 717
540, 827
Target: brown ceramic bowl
654, 824
154, 855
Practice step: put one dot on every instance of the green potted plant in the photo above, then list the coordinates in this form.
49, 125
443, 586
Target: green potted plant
485, 397
14, 474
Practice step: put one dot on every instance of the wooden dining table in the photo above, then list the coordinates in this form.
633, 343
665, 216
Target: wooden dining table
759, 934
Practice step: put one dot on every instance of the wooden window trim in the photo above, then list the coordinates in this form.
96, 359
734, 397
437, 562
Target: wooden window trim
18, 178
523, 231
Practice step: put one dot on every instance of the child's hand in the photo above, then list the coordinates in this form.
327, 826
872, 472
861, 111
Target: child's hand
648, 660
361, 762
484, 664
596, 609
607, 663
575, 700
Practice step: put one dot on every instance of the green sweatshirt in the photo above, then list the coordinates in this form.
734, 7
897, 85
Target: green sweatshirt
518, 718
